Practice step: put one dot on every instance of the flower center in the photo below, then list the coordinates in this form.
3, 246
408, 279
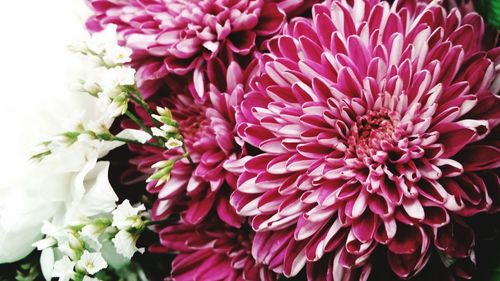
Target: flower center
373, 132
193, 121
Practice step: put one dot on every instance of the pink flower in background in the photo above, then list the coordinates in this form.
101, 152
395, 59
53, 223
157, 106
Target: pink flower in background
208, 131
295, 7
177, 36
212, 251
378, 125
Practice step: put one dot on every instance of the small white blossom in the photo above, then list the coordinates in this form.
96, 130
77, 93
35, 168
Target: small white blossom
87, 85
88, 278
125, 216
91, 233
65, 240
168, 129
91, 262
70, 245
101, 41
157, 132
118, 76
51, 229
115, 55
45, 243
64, 269
163, 111
173, 143
124, 243
133, 134
157, 117
163, 130
162, 164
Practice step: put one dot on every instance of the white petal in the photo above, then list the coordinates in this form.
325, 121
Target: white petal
137, 135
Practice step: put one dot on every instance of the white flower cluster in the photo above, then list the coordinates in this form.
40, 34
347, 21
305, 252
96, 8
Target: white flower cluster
168, 129
105, 75
128, 221
79, 247
65, 186
68, 182
109, 83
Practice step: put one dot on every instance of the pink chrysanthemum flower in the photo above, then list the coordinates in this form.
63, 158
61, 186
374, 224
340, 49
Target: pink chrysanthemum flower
378, 125
208, 131
212, 251
177, 36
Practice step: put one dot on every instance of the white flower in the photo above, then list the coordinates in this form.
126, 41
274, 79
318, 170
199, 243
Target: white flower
91, 233
70, 245
91, 193
45, 243
133, 134
47, 263
100, 41
23, 210
173, 143
119, 105
162, 164
158, 132
88, 278
89, 86
91, 262
163, 111
52, 230
112, 107
168, 129
60, 186
124, 243
115, 55
64, 269
125, 216
164, 130
118, 76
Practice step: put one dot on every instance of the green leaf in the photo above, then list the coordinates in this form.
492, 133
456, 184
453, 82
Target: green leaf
490, 10
29, 271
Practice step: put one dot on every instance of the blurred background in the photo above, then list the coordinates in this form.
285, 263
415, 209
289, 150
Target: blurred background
34, 73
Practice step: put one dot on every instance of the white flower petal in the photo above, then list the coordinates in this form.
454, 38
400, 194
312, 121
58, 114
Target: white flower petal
124, 243
92, 262
124, 216
64, 269
47, 263
137, 135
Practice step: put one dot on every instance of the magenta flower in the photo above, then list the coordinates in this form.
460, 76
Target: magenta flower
212, 251
177, 36
208, 131
378, 125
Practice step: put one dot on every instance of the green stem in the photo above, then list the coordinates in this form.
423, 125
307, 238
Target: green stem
139, 122
136, 96
186, 154
109, 137
134, 141
138, 99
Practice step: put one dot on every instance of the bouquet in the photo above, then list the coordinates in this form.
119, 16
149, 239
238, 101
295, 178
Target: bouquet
337, 140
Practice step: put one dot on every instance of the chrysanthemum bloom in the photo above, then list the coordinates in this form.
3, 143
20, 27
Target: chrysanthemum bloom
378, 129
212, 251
209, 135
177, 36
